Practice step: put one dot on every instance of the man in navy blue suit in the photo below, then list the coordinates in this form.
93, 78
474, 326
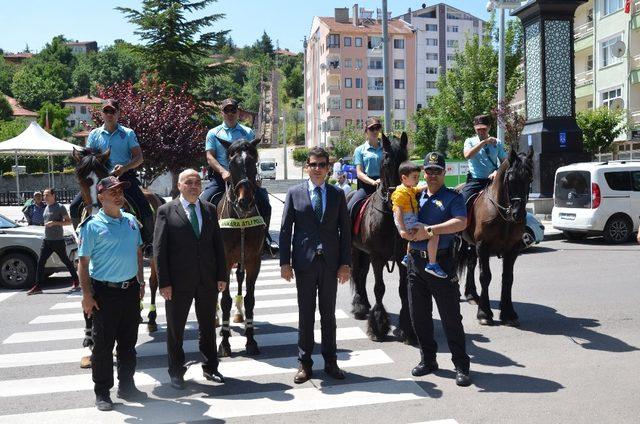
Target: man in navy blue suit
321, 257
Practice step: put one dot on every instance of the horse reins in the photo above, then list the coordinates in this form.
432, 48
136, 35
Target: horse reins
502, 211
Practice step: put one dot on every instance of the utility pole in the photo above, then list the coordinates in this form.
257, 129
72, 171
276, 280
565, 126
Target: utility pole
284, 141
501, 72
386, 68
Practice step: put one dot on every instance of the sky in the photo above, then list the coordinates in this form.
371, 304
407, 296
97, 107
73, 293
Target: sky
36, 22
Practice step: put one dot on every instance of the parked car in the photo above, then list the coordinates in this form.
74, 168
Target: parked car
267, 168
19, 250
533, 231
597, 198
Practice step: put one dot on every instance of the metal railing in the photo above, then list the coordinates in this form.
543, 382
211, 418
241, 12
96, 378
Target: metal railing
11, 198
583, 30
584, 78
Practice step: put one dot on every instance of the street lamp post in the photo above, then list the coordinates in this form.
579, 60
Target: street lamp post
386, 68
284, 141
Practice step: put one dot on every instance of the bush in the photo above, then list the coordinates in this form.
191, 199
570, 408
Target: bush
9, 174
69, 171
37, 174
300, 154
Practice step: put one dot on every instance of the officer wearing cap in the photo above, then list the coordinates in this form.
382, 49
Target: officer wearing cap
484, 155
124, 157
110, 271
229, 131
442, 212
367, 158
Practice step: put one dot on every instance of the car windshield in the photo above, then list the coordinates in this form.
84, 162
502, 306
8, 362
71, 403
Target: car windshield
6, 222
573, 189
267, 166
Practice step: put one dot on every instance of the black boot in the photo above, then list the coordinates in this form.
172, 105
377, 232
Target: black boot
147, 230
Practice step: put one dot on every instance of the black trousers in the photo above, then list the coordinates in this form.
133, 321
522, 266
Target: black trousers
422, 287
474, 186
317, 279
117, 320
363, 191
59, 248
177, 312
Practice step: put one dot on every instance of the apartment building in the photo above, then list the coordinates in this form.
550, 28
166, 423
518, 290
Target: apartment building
607, 64
83, 47
440, 30
81, 109
344, 77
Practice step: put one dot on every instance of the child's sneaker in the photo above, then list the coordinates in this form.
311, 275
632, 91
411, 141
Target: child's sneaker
405, 261
434, 269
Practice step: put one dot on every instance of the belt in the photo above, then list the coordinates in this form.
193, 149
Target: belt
478, 180
123, 285
424, 255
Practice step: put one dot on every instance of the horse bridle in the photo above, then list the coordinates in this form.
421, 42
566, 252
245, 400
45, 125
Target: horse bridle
506, 212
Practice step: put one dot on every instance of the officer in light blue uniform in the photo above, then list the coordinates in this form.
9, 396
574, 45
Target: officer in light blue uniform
442, 212
484, 155
217, 141
110, 271
367, 158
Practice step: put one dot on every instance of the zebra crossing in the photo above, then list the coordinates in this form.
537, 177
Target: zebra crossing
40, 378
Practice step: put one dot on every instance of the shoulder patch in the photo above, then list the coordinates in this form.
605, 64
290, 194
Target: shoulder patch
84, 221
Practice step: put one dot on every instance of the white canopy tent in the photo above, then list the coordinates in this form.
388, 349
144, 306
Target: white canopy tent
35, 141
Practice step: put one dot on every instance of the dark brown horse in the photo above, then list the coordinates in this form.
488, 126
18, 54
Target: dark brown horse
377, 242
495, 227
90, 169
243, 236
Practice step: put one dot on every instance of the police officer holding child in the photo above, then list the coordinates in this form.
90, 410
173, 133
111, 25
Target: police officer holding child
111, 276
441, 212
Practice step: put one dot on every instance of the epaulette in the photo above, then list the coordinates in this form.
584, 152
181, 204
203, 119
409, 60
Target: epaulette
87, 219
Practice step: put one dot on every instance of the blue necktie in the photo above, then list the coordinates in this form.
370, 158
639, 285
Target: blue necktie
317, 202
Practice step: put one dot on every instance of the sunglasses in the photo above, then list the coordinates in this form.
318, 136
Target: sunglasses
433, 171
319, 165
109, 111
375, 128
230, 110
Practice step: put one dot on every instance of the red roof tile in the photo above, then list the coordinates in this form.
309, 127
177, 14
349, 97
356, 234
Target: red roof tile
86, 99
395, 27
18, 110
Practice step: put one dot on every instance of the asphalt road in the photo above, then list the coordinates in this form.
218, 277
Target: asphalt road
574, 359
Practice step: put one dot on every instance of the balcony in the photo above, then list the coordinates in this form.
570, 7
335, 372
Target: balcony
634, 118
584, 78
634, 75
583, 36
375, 87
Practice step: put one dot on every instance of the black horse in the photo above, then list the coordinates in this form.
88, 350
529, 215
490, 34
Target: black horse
377, 242
495, 227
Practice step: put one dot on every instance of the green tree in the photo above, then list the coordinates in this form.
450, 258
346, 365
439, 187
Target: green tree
264, 45
6, 111
260, 71
456, 149
469, 87
38, 81
6, 76
10, 129
600, 127
174, 45
293, 84
350, 137
424, 136
57, 117
57, 51
442, 140
300, 154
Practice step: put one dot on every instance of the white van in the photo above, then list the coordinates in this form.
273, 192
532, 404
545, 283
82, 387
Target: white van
597, 198
267, 168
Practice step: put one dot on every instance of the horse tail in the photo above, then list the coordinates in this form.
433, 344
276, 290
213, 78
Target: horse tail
462, 257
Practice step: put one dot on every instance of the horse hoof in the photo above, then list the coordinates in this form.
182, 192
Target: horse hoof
252, 349
375, 338
360, 316
511, 323
217, 322
238, 318
224, 350
471, 299
152, 327
485, 321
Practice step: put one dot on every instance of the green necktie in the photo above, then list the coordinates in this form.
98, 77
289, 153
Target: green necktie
194, 219
317, 203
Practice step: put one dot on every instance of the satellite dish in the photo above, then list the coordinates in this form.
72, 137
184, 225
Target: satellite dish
619, 48
616, 104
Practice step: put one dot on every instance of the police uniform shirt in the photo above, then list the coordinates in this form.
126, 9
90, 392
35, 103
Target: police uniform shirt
369, 158
112, 246
121, 141
225, 133
440, 207
481, 166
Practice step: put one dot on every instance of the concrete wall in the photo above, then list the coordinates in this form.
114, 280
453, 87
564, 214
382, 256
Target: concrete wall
38, 182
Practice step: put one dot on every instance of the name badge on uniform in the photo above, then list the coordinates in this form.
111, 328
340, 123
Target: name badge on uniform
132, 225
439, 204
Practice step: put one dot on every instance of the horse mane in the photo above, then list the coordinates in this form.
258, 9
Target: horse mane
88, 162
243, 146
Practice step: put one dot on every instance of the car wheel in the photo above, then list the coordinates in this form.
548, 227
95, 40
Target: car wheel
17, 271
572, 235
617, 230
528, 238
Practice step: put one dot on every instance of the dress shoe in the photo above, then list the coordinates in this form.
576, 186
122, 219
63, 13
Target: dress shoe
333, 370
462, 378
304, 374
75, 285
177, 382
424, 369
128, 391
34, 290
104, 403
213, 376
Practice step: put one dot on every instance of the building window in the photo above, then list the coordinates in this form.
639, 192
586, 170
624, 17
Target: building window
452, 28
398, 64
398, 124
432, 41
432, 84
358, 63
398, 84
432, 56
398, 43
611, 6
72, 123
376, 102
375, 63
609, 96
348, 83
322, 88
590, 104
375, 83
333, 122
348, 122
334, 63
590, 62
83, 110
348, 103
358, 41
452, 43
334, 103
451, 15
333, 40
359, 122
374, 42
347, 41
451, 56
606, 51
432, 70
358, 82
399, 104
359, 106
73, 109
431, 27
347, 63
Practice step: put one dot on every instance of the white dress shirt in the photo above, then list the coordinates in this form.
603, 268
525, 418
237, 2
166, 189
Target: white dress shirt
185, 205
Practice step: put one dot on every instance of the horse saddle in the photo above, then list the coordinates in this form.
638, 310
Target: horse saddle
357, 212
471, 218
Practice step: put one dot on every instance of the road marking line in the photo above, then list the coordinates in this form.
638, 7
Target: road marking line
258, 292
7, 295
260, 304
